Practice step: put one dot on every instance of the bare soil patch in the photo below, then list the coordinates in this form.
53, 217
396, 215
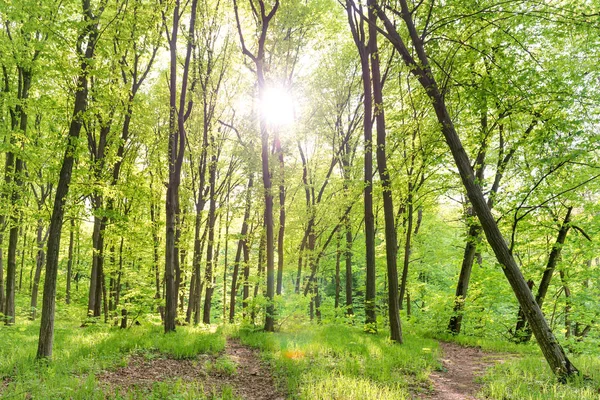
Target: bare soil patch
252, 379
462, 365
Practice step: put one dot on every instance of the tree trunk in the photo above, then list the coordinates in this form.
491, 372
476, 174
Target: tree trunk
407, 243
210, 253
70, 261
241, 243
348, 259
176, 148
522, 331
364, 52
46, 338
554, 353
337, 275
280, 236
39, 263
465, 275
388, 204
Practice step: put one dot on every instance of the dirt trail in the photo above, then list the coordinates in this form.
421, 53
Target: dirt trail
252, 379
462, 365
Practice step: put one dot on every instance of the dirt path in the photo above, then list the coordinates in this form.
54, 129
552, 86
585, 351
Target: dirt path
251, 380
462, 365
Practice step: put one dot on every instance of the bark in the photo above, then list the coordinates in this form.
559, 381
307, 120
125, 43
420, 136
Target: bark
20, 114
465, 275
365, 50
337, 275
348, 259
552, 350
176, 148
95, 292
46, 338
407, 244
155, 266
281, 233
388, 204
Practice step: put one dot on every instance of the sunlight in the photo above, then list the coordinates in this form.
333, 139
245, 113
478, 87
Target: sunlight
277, 106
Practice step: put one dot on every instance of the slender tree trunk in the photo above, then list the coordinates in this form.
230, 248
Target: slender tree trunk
208, 276
176, 148
388, 204
348, 259
522, 331
407, 243
338, 252
280, 236
365, 51
465, 275
46, 338
39, 263
241, 243
24, 235
70, 261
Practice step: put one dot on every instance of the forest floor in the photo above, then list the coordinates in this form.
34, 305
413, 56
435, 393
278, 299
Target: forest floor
240, 369
461, 368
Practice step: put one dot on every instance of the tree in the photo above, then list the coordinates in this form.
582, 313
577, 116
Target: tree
264, 18
89, 36
421, 69
178, 114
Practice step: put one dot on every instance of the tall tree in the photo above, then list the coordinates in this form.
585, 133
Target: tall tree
421, 69
365, 50
264, 18
178, 114
88, 37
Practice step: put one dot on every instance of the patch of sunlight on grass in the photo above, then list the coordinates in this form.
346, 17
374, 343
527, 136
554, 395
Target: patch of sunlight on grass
350, 388
529, 378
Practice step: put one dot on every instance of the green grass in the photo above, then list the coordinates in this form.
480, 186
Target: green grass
342, 362
80, 353
330, 361
530, 378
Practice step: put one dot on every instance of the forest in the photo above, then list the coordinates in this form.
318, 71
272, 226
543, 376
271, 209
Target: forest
303, 199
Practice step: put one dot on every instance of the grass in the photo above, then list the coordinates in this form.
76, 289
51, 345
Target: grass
80, 353
310, 362
342, 362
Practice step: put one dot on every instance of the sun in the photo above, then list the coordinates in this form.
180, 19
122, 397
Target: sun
277, 106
